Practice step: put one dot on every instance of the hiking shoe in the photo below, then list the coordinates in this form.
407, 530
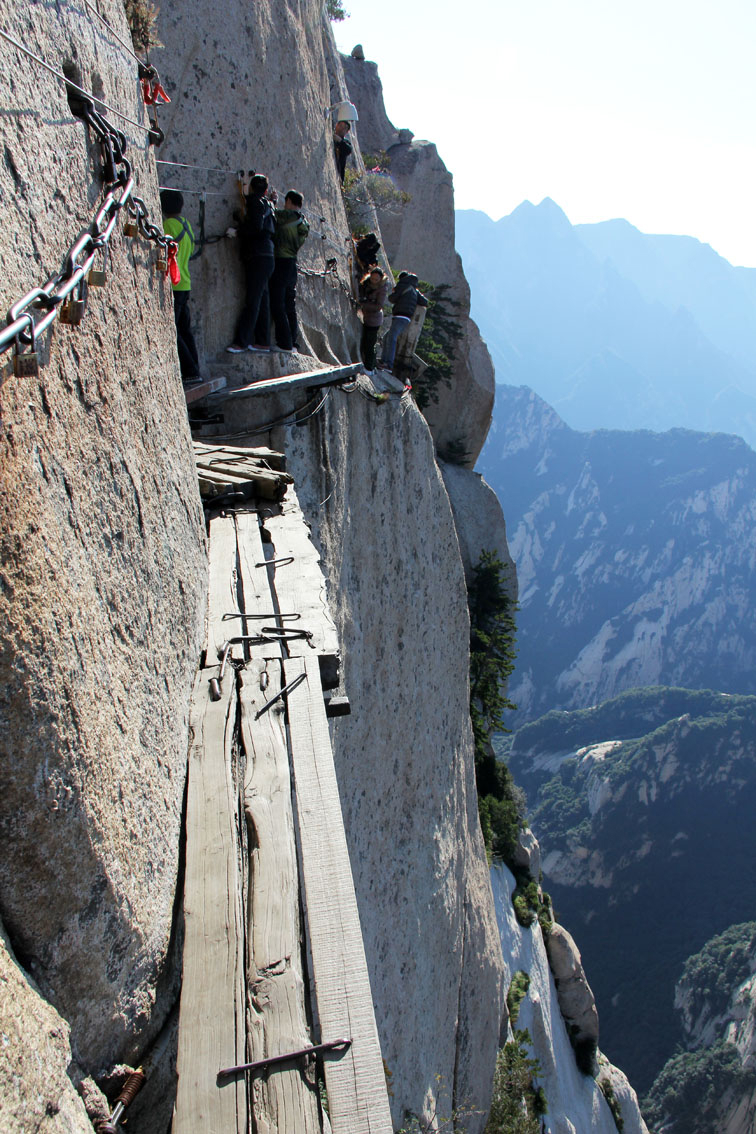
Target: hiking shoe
285, 349
259, 349
235, 349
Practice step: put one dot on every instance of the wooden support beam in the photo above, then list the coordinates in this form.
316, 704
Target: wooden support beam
211, 1020
285, 1100
310, 379
357, 1096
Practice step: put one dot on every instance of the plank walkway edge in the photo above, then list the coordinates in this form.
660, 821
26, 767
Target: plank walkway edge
310, 379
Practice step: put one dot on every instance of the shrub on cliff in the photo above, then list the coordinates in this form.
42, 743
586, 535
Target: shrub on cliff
517, 1103
492, 634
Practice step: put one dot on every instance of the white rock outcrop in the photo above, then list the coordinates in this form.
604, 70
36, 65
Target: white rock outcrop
576, 1102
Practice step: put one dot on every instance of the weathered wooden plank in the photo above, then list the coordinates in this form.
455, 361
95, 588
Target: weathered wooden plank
300, 586
222, 594
310, 378
357, 1097
211, 1019
286, 1099
255, 595
272, 457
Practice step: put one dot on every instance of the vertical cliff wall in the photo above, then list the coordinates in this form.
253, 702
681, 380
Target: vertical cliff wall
102, 582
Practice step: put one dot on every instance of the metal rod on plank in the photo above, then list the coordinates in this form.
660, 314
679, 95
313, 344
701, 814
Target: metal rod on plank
292, 684
259, 1064
238, 614
275, 562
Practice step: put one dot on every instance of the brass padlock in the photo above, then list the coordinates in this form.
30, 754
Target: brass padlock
26, 365
161, 264
98, 277
131, 228
72, 312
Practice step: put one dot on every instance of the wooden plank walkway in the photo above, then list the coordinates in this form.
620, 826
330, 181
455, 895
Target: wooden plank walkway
300, 586
356, 1082
286, 1100
235, 1006
310, 379
212, 1022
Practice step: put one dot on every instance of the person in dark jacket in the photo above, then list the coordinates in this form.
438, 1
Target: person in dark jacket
291, 233
373, 293
404, 299
342, 147
256, 234
177, 226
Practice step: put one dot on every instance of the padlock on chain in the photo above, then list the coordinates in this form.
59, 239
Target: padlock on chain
71, 312
98, 277
161, 264
26, 365
131, 228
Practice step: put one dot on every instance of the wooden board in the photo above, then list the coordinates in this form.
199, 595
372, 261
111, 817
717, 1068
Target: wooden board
211, 1019
286, 1098
270, 457
223, 591
309, 379
300, 586
255, 595
357, 1096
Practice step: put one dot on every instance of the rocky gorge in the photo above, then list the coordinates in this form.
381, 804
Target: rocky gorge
104, 581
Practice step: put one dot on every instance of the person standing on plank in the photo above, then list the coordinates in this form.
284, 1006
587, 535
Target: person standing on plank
373, 293
256, 248
178, 227
291, 233
405, 298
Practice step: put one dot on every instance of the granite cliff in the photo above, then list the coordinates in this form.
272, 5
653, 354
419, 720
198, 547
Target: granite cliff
104, 580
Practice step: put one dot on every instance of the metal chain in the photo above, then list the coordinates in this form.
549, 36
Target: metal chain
31, 315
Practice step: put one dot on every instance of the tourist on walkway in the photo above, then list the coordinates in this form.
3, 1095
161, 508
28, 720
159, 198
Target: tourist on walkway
256, 233
177, 226
404, 299
373, 292
291, 233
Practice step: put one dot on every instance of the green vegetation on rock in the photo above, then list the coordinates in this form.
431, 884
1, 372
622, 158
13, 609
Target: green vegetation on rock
492, 634
517, 1103
437, 344
518, 990
713, 974
687, 1093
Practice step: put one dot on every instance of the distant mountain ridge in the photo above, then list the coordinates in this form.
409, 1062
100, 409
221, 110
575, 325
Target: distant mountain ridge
635, 556
615, 328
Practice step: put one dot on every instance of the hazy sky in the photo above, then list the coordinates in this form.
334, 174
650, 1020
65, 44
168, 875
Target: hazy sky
645, 110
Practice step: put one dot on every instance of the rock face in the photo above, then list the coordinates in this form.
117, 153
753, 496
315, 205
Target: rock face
36, 1055
622, 541
576, 1002
419, 236
641, 805
404, 756
281, 72
575, 1101
103, 575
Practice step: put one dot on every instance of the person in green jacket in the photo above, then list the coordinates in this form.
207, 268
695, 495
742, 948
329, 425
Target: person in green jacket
177, 226
291, 233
